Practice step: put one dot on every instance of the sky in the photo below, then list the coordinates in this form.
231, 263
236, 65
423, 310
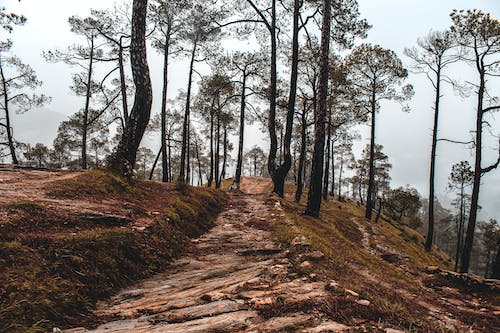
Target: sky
396, 24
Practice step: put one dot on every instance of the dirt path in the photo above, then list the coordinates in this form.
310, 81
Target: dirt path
236, 278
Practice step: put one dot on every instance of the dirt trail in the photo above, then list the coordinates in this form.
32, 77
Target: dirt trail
234, 279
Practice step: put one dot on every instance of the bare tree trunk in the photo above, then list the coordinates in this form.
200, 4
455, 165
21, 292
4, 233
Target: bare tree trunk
471, 226
302, 156
88, 94
279, 174
341, 168
8, 127
164, 162
224, 156
155, 163
495, 274
460, 228
200, 176
211, 177
237, 177
327, 162
332, 155
123, 160
185, 127
123, 84
314, 197
217, 151
430, 230
379, 210
371, 172
188, 151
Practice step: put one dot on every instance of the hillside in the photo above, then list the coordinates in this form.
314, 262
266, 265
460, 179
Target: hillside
69, 239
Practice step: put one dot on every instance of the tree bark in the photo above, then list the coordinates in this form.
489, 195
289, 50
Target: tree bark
164, 161
314, 196
430, 231
371, 172
279, 173
302, 156
88, 94
217, 150
123, 85
495, 274
185, 127
239, 165
8, 127
469, 236
327, 162
211, 177
123, 160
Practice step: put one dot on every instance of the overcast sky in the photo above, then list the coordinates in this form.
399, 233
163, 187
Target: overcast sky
396, 24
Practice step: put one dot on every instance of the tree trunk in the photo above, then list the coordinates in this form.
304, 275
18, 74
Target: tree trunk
460, 228
211, 177
123, 83
273, 149
469, 236
8, 127
123, 160
200, 176
237, 176
379, 210
327, 162
88, 94
340, 176
151, 173
164, 162
332, 157
302, 156
217, 150
430, 231
371, 172
279, 174
224, 156
188, 151
314, 197
495, 274
185, 127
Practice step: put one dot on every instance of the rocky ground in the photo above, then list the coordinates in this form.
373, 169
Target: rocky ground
235, 278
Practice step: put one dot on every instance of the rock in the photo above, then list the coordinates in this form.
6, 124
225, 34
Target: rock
287, 324
259, 252
391, 258
313, 256
327, 326
333, 286
305, 264
301, 241
392, 330
313, 276
104, 219
363, 302
260, 303
213, 296
352, 293
432, 270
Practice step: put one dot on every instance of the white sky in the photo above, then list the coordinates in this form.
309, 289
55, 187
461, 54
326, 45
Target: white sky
396, 24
